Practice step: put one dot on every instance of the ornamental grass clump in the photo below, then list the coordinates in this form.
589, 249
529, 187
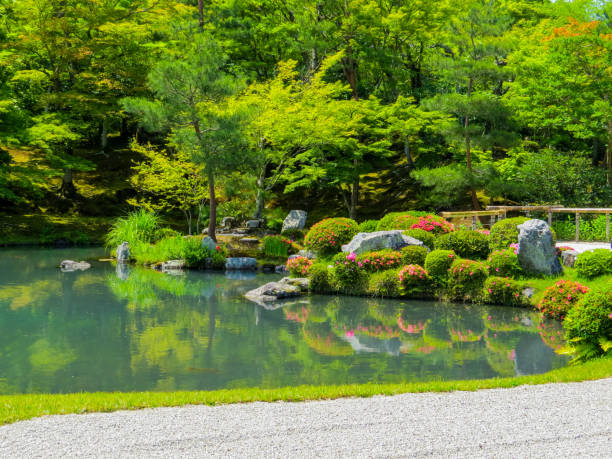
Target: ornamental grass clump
425, 237
277, 246
414, 255
327, 236
415, 281
298, 266
434, 224
503, 291
560, 298
437, 264
385, 284
504, 263
594, 263
380, 260
466, 279
465, 243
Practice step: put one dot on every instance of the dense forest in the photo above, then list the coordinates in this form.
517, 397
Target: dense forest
249, 108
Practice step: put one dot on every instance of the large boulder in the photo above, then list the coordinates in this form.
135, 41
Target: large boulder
123, 252
536, 248
295, 220
378, 240
68, 266
240, 263
209, 244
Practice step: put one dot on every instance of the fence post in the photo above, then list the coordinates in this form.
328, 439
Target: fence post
607, 227
473, 223
549, 218
492, 220
577, 226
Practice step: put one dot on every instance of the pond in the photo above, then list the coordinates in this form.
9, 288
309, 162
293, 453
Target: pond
99, 330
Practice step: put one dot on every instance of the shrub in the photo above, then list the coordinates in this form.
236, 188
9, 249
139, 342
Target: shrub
328, 235
349, 277
319, 278
414, 255
504, 232
433, 224
140, 226
465, 243
425, 237
504, 263
504, 291
415, 281
399, 220
589, 323
369, 226
558, 299
385, 284
437, 264
380, 260
298, 266
294, 234
594, 263
277, 246
466, 279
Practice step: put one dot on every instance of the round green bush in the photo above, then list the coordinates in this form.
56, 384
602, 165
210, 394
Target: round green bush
425, 237
558, 299
327, 236
503, 291
438, 262
414, 255
400, 220
465, 243
368, 226
298, 266
591, 319
594, 263
385, 284
504, 263
415, 281
318, 274
379, 260
348, 277
504, 232
466, 279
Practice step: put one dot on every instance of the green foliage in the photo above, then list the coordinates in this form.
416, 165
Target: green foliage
399, 220
414, 255
347, 277
276, 246
504, 263
465, 243
594, 263
139, 227
379, 260
294, 234
437, 264
415, 281
327, 236
560, 298
318, 274
466, 279
368, 226
385, 284
503, 291
504, 232
426, 237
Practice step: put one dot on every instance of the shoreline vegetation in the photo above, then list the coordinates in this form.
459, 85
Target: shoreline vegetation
22, 407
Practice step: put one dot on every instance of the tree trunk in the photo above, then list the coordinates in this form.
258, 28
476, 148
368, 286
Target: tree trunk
609, 155
201, 14
349, 71
212, 223
104, 135
259, 205
407, 153
354, 199
468, 150
67, 189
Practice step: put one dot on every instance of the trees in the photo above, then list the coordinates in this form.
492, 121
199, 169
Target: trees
191, 86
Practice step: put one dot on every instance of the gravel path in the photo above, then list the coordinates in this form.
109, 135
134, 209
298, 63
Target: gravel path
554, 420
584, 246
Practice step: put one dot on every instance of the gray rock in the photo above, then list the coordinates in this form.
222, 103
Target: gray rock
240, 263
249, 240
307, 253
68, 266
123, 252
209, 244
295, 220
172, 265
528, 292
378, 240
228, 222
271, 292
253, 224
301, 282
568, 257
536, 250
280, 269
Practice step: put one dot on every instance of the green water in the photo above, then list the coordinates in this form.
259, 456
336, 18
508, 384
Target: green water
94, 331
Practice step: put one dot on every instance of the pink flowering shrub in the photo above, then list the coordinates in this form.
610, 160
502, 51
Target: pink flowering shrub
380, 260
504, 263
486, 232
466, 279
558, 299
349, 276
434, 224
503, 291
298, 266
415, 281
327, 236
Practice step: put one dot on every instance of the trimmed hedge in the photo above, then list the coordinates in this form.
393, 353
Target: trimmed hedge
465, 243
327, 236
503, 291
504, 263
504, 232
437, 264
590, 321
594, 263
385, 284
425, 237
400, 220
414, 255
466, 279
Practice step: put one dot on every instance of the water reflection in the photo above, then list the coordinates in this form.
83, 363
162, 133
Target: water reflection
124, 328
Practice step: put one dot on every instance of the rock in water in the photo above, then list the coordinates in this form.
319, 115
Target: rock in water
172, 266
253, 224
378, 240
68, 266
209, 244
271, 292
536, 250
123, 252
295, 220
240, 263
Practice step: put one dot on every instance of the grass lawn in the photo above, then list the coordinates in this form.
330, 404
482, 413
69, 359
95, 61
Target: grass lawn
20, 407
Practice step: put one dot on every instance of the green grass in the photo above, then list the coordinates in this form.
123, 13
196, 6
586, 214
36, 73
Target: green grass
20, 407
540, 284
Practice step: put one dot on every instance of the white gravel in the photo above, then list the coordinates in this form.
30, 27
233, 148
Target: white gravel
554, 420
584, 246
